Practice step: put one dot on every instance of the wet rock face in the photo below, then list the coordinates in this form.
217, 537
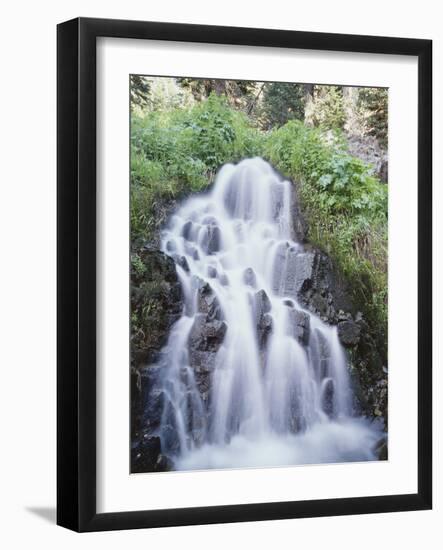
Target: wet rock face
328, 398
206, 337
211, 241
321, 289
263, 321
300, 324
312, 280
207, 302
156, 303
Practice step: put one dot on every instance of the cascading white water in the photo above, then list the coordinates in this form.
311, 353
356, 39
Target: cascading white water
279, 391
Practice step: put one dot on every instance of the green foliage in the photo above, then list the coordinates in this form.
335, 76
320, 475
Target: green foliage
177, 152
346, 208
282, 102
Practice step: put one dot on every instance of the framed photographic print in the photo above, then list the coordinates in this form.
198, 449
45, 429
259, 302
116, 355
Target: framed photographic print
244, 274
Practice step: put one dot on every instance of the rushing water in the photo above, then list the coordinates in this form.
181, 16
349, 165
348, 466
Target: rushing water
275, 396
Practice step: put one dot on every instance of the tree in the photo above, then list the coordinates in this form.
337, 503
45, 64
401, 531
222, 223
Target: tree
282, 101
325, 107
140, 87
373, 104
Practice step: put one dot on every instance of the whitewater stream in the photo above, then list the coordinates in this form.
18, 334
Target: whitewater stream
271, 385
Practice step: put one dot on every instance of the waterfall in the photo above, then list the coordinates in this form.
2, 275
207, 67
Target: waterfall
249, 377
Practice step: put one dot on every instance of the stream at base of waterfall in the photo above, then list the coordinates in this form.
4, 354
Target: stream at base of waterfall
249, 377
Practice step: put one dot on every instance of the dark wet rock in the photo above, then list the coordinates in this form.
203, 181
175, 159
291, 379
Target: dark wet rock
206, 335
145, 454
249, 277
212, 272
211, 241
163, 464
181, 261
264, 329
349, 333
207, 301
319, 286
263, 321
302, 265
328, 397
300, 325
186, 230
171, 246
262, 304
170, 440
381, 449
154, 407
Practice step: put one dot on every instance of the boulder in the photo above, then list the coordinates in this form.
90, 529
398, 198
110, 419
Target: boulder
300, 325
211, 241
207, 301
348, 333
206, 335
327, 400
186, 230
263, 320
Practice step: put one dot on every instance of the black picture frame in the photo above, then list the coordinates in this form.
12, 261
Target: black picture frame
76, 281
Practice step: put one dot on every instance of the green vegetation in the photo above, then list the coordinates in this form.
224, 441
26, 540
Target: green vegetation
346, 208
177, 151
